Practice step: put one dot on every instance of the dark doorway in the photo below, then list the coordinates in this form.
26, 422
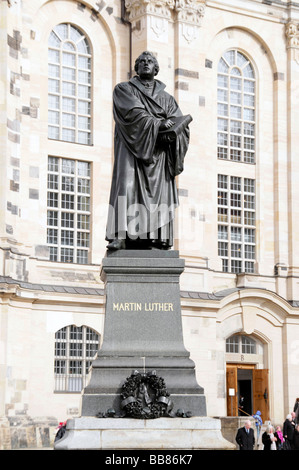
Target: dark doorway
245, 392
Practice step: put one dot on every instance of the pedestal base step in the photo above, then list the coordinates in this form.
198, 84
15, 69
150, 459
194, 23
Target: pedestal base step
88, 433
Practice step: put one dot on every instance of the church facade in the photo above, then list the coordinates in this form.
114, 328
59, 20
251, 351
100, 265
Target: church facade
234, 66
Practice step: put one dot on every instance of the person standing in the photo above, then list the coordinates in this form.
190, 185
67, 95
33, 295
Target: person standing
288, 430
241, 405
258, 423
296, 411
268, 439
245, 436
296, 437
279, 436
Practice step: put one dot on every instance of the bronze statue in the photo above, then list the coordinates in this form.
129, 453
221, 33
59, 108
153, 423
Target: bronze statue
150, 142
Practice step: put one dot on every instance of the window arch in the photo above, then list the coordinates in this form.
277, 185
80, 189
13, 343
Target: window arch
236, 108
75, 349
69, 85
242, 344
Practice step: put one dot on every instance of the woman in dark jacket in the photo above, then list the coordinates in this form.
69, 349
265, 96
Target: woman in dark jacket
268, 438
288, 430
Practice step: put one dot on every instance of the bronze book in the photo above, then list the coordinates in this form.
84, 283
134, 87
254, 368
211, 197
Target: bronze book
180, 123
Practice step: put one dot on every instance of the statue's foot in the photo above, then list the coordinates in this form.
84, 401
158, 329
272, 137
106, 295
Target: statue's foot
165, 246
117, 245
158, 245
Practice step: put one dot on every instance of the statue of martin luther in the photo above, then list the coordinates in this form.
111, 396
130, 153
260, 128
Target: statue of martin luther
149, 151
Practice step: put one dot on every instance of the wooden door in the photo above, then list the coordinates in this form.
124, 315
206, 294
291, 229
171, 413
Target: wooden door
232, 384
261, 392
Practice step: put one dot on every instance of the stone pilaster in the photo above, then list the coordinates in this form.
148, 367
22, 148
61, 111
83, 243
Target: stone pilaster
292, 38
188, 67
189, 14
292, 45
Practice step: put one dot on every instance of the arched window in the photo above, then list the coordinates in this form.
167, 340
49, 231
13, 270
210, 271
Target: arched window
75, 348
69, 85
240, 344
236, 108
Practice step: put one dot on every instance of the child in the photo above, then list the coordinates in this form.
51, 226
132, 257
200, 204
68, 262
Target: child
258, 423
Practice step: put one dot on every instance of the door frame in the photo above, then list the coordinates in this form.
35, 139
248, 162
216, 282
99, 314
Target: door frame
232, 383
258, 396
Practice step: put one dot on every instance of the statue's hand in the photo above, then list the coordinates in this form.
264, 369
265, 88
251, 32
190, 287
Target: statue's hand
166, 124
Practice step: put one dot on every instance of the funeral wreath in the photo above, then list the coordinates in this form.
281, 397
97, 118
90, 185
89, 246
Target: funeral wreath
144, 395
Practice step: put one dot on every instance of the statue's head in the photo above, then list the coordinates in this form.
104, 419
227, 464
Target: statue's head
148, 55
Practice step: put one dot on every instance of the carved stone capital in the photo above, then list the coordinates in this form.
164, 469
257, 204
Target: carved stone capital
138, 8
292, 34
190, 11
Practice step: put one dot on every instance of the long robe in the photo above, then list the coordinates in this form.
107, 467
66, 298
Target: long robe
143, 195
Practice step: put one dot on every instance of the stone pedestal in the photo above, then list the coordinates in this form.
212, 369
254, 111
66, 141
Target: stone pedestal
137, 434
143, 331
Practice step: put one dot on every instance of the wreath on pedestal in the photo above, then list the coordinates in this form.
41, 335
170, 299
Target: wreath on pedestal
144, 395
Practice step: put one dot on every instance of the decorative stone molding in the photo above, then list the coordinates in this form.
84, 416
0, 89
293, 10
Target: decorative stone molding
189, 14
292, 34
159, 27
292, 37
138, 8
156, 14
188, 11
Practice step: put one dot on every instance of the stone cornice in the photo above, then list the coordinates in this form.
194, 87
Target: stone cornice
189, 11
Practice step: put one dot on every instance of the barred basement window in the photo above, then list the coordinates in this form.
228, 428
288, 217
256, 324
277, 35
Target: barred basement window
236, 223
75, 349
68, 216
236, 108
69, 85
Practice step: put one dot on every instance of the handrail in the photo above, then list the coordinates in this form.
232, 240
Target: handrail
240, 409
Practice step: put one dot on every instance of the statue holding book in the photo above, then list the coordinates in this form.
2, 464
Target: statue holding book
150, 143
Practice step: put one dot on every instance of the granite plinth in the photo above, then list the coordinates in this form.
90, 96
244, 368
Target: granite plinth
198, 433
142, 331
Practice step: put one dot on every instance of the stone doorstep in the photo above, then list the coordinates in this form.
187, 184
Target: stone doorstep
131, 434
